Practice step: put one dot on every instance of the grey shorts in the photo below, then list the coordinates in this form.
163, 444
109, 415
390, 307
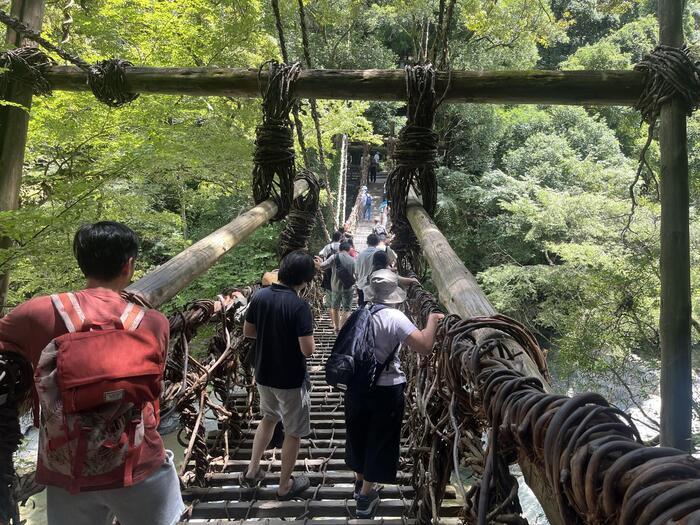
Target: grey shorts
291, 405
156, 501
342, 300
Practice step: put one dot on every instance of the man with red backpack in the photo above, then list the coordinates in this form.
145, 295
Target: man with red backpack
98, 362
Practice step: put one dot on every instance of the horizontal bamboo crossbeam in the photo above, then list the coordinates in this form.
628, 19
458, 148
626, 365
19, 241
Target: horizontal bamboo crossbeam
166, 281
501, 87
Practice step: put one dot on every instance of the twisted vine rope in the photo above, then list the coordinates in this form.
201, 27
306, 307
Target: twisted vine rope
274, 171
195, 386
670, 73
415, 161
26, 66
584, 452
107, 78
301, 219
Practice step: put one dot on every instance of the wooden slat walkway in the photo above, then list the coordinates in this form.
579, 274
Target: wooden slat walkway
329, 501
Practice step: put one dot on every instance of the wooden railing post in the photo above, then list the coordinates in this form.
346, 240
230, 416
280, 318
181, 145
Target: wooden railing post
674, 323
14, 123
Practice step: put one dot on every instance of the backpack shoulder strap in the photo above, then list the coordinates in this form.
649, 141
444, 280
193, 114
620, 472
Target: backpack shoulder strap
376, 308
68, 308
132, 316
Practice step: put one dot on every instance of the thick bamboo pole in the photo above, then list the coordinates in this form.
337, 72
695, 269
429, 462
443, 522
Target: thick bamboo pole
14, 123
674, 323
166, 281
503, 87
460, 294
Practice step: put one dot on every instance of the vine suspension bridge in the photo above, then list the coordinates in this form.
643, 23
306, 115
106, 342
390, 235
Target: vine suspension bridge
482, 401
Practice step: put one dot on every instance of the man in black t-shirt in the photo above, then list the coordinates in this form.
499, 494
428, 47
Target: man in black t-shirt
282, 325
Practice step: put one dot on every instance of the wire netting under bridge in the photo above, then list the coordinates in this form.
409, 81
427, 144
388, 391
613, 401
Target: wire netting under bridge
470, 409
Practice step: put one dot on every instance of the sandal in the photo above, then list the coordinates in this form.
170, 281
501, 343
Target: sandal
299, 485
249, 483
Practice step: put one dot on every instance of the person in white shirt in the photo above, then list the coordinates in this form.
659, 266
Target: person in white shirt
373, 418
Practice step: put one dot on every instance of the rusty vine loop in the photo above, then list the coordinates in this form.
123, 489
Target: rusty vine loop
135, 298
301, 219
16, 379
670, 73
583, 451
415, 162
106, 78
27, 66
201, 388
274, 171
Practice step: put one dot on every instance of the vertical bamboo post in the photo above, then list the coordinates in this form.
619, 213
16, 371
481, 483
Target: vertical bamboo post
14, 123
674, 323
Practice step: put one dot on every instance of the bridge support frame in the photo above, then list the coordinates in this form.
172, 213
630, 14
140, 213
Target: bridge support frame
14, 124
675, 317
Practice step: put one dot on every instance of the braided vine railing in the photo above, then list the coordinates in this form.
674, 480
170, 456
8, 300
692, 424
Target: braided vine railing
587, 453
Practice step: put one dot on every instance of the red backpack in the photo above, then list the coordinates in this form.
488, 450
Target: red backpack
93, 385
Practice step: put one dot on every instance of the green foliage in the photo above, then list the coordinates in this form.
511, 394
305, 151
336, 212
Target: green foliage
534, 199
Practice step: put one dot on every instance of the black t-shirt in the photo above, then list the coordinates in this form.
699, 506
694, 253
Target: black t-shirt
280, 318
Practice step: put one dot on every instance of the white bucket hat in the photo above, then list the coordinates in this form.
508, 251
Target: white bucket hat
383, 288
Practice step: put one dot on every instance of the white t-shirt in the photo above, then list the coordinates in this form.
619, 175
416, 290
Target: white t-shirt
391, 327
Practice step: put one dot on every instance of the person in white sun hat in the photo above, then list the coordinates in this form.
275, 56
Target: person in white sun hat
373, 418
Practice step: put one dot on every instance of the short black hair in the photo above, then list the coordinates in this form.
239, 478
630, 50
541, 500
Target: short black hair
372, 239
296, 268
337, 236
380, 261
345, 246
102, 249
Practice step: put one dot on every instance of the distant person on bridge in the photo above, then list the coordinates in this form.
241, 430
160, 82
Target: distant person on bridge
282, 325
374, 417
342, 280
384, 210
100, 454
373, 167
364, 264
378, 229
352, 251
368, 207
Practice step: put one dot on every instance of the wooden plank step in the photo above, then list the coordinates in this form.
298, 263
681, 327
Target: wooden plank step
237, 465
307, 509
337, 521
316, 408
316, 433
306, 452
270, 493
333, 396
316, 423
314, 443
271, 478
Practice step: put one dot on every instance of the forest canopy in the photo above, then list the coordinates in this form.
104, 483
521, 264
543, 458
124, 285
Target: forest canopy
534, 199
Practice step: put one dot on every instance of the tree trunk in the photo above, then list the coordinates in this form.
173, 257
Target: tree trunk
14, 123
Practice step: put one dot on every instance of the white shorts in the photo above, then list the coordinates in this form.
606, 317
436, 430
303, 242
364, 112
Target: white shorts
154, 501
291, 405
